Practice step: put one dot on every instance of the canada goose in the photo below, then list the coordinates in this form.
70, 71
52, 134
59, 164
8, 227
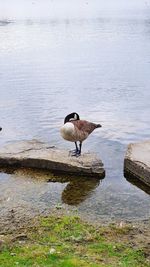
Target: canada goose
0, 128
76, 130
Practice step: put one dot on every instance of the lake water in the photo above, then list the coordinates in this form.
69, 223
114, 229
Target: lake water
91, 57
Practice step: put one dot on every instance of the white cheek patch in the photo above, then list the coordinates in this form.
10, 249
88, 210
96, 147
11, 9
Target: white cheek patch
75, 116
72, 119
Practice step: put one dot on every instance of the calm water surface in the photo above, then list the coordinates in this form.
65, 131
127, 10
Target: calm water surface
85, 56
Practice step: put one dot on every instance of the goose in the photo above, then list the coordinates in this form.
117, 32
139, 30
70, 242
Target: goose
76, 130
0, 128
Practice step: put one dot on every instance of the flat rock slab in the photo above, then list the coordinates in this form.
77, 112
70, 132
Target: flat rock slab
36, 154
137, 161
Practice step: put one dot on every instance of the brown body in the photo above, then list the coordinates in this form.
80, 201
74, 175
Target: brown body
78, 130
83, 129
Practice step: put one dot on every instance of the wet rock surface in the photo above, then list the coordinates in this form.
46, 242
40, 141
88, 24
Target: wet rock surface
137, 162
36, 154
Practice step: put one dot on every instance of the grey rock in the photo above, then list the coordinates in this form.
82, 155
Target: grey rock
137, 161
36, 154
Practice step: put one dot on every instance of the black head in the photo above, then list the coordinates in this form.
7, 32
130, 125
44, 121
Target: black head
0, 128
72, 117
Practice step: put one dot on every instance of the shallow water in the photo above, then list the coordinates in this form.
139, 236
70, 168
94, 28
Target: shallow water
86, 56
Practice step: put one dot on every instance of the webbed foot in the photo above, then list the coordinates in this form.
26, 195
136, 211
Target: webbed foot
76, 154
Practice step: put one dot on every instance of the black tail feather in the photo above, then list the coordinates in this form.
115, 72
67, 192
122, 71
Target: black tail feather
98, 125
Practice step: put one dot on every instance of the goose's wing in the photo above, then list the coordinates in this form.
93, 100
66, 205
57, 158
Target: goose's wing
84, 126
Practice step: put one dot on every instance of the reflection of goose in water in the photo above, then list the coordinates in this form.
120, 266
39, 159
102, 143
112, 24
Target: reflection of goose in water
78, 190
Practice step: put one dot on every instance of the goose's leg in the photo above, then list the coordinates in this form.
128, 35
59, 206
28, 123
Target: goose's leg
79, 150
74, 152
80, 146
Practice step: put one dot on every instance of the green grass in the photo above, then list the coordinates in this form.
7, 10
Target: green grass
68, 242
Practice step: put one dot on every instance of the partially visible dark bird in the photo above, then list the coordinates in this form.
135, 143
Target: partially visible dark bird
76, 130
0, 128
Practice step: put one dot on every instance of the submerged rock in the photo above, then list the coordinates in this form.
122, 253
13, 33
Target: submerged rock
36, 154
137, 161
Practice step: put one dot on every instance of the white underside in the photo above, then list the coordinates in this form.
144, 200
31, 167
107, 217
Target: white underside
68, 132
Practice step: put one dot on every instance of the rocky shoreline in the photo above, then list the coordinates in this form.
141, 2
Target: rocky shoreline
38, 155
137, 162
